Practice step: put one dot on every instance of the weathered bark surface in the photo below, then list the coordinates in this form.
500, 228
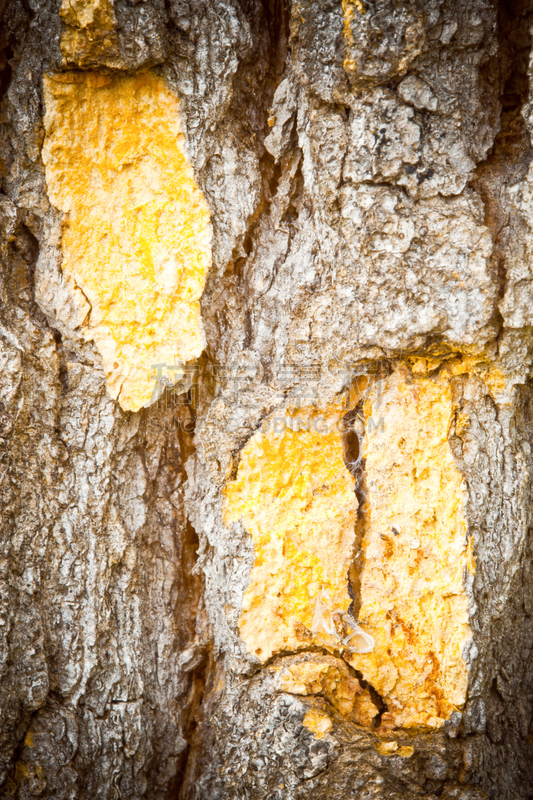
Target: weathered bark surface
352, 433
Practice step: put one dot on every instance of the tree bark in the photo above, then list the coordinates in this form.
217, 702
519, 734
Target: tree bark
266, 399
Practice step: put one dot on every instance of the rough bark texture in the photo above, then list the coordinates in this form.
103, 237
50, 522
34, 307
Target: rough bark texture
355, 439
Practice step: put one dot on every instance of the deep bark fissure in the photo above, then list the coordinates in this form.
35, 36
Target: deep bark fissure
255, 125
353, 444
198, 678
276, 16
511, 153
376, 698
353, 438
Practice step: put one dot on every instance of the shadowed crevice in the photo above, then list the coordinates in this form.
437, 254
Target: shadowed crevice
510, 156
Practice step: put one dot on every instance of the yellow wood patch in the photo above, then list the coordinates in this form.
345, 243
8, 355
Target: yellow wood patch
296, 498
415, 554
136, 236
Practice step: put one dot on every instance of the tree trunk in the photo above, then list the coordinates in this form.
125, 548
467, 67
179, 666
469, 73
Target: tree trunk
266, 407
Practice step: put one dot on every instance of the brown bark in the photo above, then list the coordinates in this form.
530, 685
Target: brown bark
322, 211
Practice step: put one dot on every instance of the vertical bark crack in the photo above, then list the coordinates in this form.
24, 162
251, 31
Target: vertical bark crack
255, 97
510, 156
354, 425
353, 436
